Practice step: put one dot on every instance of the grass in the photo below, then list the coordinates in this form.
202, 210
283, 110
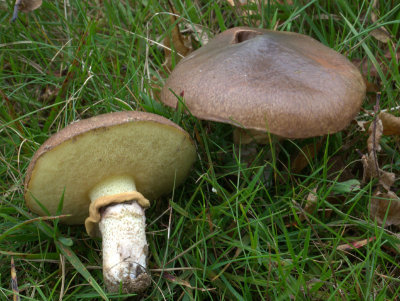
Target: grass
237, 229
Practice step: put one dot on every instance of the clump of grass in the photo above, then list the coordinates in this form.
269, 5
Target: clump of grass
237, 229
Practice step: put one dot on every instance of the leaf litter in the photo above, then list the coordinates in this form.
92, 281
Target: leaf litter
384, 204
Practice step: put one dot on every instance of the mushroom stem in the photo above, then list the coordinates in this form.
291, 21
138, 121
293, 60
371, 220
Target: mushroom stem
122, 226
124, 247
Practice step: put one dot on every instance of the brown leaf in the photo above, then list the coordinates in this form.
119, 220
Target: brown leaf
309, 206
375, 7
370, 86
237, 2
386, 179
362, 125
311, 203
370, 170
307, 153
180, 44
367, 68
381, 34
198, 33
247, 136
370, 160
383, 203
391, 124
339, 170
375, 133
48, 93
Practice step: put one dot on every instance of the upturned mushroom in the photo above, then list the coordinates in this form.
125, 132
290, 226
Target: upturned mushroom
285, 83
107, 168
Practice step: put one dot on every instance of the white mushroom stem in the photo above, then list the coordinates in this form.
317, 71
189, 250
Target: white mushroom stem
122, 228
124, 243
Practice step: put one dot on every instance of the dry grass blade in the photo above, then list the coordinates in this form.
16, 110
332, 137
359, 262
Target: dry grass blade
355, 245
244, 2
237, 253
185, 283
14, 282
62, 264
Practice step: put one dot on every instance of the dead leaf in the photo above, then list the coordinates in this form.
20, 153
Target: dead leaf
370, 86
339, 170
362, 125
381, 34
367, 68
375, 133
247, 136
237, 2
307, 154
311, 203
370, 160
48, 94
375, 7
198, 33
180, 44
245, 10
383, 203
370, 170
391, 124
25, 6
386, 179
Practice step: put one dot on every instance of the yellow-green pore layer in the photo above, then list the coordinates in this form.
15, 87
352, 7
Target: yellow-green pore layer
154, 151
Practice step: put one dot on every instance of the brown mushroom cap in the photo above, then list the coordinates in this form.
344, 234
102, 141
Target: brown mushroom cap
152, 150
286, 83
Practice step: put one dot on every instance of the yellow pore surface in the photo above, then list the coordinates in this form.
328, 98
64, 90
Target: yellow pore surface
158, 157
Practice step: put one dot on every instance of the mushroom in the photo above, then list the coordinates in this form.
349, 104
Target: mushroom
285, 83
106, 168
25, 6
